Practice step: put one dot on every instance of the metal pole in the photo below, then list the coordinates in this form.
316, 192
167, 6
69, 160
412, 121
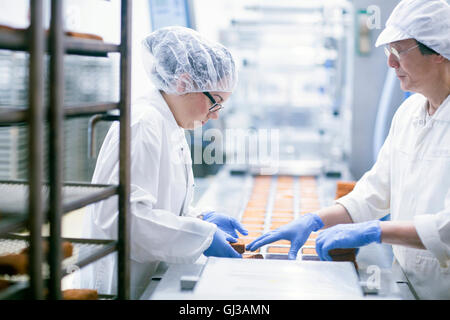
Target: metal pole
35, 146
56, 150
124, 156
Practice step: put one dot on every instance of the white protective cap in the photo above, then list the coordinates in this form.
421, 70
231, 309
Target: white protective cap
427, 21
180, 60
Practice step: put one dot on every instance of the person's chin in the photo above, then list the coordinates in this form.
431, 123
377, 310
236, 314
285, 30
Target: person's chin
404, 83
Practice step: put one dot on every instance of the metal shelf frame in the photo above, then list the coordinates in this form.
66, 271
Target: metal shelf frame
75, 196
38, 42
18, 40
16, 116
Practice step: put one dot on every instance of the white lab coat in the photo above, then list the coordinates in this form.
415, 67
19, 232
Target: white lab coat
411, 181
164, 227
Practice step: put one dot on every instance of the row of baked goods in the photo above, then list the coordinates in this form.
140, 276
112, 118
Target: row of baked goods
15, 264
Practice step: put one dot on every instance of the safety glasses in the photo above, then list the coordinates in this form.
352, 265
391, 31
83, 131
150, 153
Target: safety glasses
216, 106
388, 50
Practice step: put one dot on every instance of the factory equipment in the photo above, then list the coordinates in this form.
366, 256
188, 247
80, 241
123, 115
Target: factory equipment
293, 77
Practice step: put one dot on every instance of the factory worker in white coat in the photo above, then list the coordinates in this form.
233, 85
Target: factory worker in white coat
411, 177
192, 78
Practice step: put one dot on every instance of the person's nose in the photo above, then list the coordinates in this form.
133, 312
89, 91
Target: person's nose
393, 62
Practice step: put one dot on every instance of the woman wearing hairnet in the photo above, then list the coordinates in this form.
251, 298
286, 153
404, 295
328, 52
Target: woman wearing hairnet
192, 78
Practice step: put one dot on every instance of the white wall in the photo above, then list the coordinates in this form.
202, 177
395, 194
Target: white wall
369, 74
141, 27
14, 13
211, 16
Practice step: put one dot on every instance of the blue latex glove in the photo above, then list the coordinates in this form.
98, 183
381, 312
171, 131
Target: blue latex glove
297, 232
220, 247
346, 236
225, 223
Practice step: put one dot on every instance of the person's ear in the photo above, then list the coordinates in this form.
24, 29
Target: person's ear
437, 58
182, 82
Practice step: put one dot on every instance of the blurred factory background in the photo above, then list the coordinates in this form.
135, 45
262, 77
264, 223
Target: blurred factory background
307, 68
310, 77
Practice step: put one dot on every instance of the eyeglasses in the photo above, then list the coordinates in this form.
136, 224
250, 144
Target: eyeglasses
388, 50
216, 106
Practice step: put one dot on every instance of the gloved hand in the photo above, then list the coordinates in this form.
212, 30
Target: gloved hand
344, 236
296, 232
225, 223
220, 247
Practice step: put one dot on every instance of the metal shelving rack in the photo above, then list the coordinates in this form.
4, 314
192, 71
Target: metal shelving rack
32, 202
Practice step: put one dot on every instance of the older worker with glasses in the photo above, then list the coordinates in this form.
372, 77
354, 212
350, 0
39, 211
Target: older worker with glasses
411, 177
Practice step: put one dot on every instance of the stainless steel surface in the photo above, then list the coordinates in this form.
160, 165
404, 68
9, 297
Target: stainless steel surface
244, 279
229, 193
276, 279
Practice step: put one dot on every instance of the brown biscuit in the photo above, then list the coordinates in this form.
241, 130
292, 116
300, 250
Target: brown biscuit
343, 188
67, 249
80, 294
344, 255
254, 256
238, 246
14, 263
83, 35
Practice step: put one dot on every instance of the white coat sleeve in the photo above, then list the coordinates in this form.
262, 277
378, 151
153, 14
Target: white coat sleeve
156, 234
370, 198
434, 231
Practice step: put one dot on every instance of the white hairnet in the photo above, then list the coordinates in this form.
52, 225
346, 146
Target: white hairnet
427, 21
179, 60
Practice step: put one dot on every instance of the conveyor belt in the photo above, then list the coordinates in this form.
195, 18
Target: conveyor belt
275, 201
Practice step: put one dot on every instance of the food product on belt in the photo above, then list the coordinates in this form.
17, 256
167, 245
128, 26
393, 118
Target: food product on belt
253, 220
313, 235
344, 255
239, 246
256, 214
14, 263
254, 256
278, 250
253, 227
80, 294
344, 187
309, 251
